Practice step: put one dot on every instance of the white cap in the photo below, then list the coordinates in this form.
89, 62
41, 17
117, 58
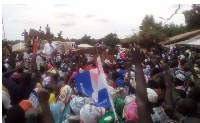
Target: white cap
152, 95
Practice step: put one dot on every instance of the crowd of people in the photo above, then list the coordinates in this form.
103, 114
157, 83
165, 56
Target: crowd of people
160, 86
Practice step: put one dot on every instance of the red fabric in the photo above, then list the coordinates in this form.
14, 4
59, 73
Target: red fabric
122, 55
180, 64
89, 67
113, 84
35, 47
106, 75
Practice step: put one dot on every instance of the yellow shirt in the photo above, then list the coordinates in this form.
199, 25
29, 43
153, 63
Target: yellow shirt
5, 89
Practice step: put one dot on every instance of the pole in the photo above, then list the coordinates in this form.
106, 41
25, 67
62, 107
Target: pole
3, 29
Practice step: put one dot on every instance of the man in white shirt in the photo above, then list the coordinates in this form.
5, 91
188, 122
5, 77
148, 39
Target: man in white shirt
49, 47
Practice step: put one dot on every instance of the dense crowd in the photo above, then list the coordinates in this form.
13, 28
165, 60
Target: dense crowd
161, 86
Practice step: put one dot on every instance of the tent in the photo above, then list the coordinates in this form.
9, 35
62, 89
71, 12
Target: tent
84, 46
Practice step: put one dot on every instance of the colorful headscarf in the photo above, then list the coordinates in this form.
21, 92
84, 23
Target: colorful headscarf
6, 100
15, 77
119, 105
34, 98
49, 66
119, 93
78, 102
128, 100
5, 89
54, 71
65, 92
132, 113
90, 113
46, 81
25, 104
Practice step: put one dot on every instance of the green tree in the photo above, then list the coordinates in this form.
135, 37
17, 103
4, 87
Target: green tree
52, 36
150, 32
85, 39
192, 17
133, 38
111, 40
173, 30
60, 36
93, 41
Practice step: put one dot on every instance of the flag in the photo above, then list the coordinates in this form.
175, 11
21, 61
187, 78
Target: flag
93, 84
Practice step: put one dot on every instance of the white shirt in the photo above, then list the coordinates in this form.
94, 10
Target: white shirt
48, 49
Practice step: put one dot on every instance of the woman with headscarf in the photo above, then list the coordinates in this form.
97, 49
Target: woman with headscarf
61, 108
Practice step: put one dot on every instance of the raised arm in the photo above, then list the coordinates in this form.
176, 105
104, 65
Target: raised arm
43, 97
141, 93
168, 96
168, 83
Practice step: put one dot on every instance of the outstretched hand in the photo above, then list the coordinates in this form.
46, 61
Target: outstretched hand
43, 96
137, 56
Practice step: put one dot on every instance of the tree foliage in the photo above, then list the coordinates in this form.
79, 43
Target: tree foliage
111, 40
150, 32
85, 39
133, 38
192, 17
60, 36
173, 29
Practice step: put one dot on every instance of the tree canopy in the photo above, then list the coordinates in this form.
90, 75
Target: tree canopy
150, 32
111, 40
192, 17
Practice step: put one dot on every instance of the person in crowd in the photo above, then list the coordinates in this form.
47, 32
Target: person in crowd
47, 29
101, 44
49, 47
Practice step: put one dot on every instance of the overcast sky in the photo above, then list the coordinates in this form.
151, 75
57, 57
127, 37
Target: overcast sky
94, 18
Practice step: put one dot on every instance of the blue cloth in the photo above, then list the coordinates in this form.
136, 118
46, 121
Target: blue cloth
120, 60
58, 115
120, 83
18, 92
122, 73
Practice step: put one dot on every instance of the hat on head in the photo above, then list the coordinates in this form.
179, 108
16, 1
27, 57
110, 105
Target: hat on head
119, 105
180, 75
129, 99
109, 117
132, 113
77, 103
132, 74
54, 71
25, 104
49, 66
152, 95
6, 100
90, 113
